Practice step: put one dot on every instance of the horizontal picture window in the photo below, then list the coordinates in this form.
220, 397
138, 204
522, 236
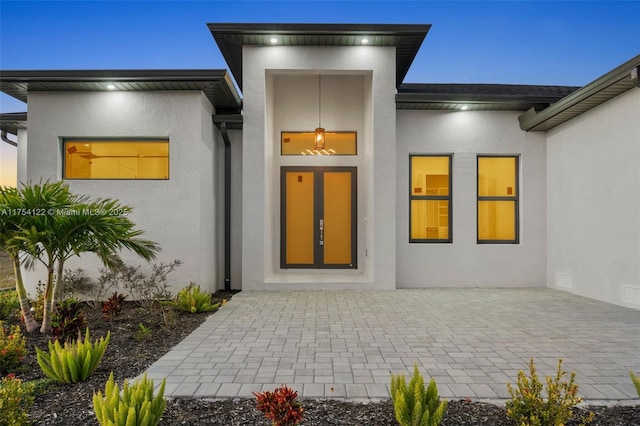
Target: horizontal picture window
116, 159
303, 143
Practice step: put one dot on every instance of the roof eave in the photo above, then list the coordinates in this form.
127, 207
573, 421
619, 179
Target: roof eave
230, 39
576, 103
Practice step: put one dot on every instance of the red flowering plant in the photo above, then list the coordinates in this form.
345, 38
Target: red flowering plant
12, 348
280, 406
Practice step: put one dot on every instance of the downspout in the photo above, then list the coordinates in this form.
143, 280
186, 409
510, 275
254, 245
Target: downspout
227, 206
4, 137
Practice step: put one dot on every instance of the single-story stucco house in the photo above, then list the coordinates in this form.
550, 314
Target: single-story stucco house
331, 172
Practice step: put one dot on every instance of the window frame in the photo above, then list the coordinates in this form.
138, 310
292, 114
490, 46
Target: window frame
66, 140
354, 132
515, 198
448, 198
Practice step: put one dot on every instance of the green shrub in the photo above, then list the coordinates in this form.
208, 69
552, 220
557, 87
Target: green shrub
192, 299
135, 405
528, 407
143, 333
75, 361
68, 320
636, 382
9, 304
15, 399
13, 348
414, 405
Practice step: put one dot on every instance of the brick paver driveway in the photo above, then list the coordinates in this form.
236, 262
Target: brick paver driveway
345, 344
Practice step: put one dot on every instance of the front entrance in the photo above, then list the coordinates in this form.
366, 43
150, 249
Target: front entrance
318, 217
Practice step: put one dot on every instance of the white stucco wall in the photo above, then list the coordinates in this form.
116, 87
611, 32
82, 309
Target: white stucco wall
593, 165
179, 213
375, 67
465, 263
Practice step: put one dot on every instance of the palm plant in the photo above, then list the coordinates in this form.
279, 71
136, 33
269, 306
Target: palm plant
11, 223
71, 225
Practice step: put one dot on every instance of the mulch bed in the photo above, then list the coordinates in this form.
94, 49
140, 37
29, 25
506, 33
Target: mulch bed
127, 357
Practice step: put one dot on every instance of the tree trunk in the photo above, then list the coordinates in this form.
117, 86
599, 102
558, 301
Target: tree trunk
57, 288
29, 322
48, 296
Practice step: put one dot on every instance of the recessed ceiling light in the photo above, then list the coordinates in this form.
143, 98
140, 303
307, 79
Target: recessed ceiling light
464, 107
273, 40
110, 86
365, 40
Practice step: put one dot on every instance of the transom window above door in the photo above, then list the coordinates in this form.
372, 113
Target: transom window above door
303, 143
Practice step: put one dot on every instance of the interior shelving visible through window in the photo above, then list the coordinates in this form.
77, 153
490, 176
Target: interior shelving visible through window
116, 159
430, 199
498, 199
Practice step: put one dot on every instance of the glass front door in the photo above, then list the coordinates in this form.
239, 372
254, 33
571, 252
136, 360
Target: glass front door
318, 217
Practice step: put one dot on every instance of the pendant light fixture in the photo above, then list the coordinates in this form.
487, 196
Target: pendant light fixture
319, 137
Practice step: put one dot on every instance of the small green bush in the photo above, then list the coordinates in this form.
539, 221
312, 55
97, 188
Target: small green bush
636, 382
12, 348
527, 407
143, 333
135, 405
9, 304
75, 361
414, 405
15, 399
192, 299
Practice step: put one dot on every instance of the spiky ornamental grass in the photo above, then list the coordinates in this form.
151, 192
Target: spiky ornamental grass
193, 299
413, 404
134, 406
636, 381
73, 362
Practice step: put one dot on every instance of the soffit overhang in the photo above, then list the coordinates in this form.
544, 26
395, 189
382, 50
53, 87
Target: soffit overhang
610, 85
484, 97
407, 39
216, 85
11, 122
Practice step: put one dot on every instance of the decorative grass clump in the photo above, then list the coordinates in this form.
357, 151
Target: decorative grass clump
73, 362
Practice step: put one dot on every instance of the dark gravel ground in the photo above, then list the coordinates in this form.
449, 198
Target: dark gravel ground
71, 405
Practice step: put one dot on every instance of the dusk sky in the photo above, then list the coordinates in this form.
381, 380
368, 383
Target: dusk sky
518, 42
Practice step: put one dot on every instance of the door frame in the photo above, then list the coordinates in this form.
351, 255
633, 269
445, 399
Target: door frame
318, 200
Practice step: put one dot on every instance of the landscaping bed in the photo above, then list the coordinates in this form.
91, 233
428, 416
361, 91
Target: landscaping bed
129, 354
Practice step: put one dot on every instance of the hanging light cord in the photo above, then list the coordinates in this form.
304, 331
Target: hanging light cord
319, 100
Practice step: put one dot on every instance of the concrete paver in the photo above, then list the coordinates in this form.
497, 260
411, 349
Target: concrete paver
346, 344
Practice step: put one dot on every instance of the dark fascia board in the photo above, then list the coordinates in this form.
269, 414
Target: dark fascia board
17, 83
534, 121
506, 96
11, 122
232, 37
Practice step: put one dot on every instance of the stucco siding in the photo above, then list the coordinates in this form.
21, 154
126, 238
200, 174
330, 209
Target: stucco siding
178, 213
464, 262
270, 106
593, 164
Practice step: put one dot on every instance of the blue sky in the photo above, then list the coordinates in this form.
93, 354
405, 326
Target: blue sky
520, 42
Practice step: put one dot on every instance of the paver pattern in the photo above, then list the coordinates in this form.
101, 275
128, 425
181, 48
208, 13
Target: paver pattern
345, 344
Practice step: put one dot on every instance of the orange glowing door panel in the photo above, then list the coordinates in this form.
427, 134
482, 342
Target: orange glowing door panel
299, 213
318, 220
337, 218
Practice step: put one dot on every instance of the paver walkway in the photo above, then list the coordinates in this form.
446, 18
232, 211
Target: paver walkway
345, 344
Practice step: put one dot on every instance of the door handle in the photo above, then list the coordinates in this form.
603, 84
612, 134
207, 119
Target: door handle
321, 232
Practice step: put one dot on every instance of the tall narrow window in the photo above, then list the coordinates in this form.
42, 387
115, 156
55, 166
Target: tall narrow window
430, 199
116, 159
498, 199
